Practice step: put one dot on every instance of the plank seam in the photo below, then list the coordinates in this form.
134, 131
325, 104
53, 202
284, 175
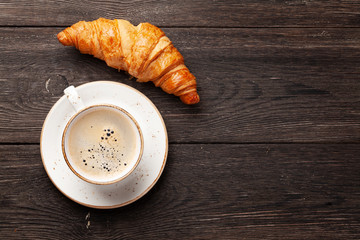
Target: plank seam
201, 27
218, 143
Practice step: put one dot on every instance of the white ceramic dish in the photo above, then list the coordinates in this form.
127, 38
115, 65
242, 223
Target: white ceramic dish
140, 181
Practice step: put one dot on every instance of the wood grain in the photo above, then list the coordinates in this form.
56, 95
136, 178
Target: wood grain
271, 151
287, 191
256, 85
187, 13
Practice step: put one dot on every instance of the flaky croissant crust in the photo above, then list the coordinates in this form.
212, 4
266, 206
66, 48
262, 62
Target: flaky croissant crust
144, 51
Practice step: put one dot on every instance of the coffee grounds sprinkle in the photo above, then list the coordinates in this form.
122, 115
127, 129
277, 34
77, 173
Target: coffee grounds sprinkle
104, 151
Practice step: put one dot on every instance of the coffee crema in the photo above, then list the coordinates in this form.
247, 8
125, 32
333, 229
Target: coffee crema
101, 144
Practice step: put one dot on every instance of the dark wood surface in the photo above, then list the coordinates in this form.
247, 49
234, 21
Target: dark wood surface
272, 151
186, 13
276, 191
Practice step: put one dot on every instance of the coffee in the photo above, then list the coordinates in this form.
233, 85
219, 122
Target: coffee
102, 144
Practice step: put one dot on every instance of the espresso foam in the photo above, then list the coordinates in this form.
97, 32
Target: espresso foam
101, 144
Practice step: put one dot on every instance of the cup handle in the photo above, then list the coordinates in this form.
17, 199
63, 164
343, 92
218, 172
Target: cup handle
74, 98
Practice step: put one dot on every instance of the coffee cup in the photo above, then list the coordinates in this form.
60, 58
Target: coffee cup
101, 144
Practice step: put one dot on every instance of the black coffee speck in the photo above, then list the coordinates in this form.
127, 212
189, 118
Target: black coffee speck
108, 130
124, 164
92, 166
85, 164
112, 132
89, 150
108, 134
102, 138
84, 160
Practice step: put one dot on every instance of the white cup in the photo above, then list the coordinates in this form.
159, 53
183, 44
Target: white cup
101, 144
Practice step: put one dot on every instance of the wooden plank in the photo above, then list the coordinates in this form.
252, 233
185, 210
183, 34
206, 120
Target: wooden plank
286, 191
256, 85
226, 13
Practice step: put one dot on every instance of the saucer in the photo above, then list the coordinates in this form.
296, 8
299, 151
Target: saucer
140, 181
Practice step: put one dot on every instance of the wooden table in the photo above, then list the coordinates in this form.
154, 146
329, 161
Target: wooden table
272, 151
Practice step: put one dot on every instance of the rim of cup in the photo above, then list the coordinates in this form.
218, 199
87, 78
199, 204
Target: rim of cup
63, 144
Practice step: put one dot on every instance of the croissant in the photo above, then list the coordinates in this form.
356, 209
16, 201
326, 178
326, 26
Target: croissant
143, 51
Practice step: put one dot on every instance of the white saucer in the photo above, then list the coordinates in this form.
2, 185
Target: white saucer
140, 181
